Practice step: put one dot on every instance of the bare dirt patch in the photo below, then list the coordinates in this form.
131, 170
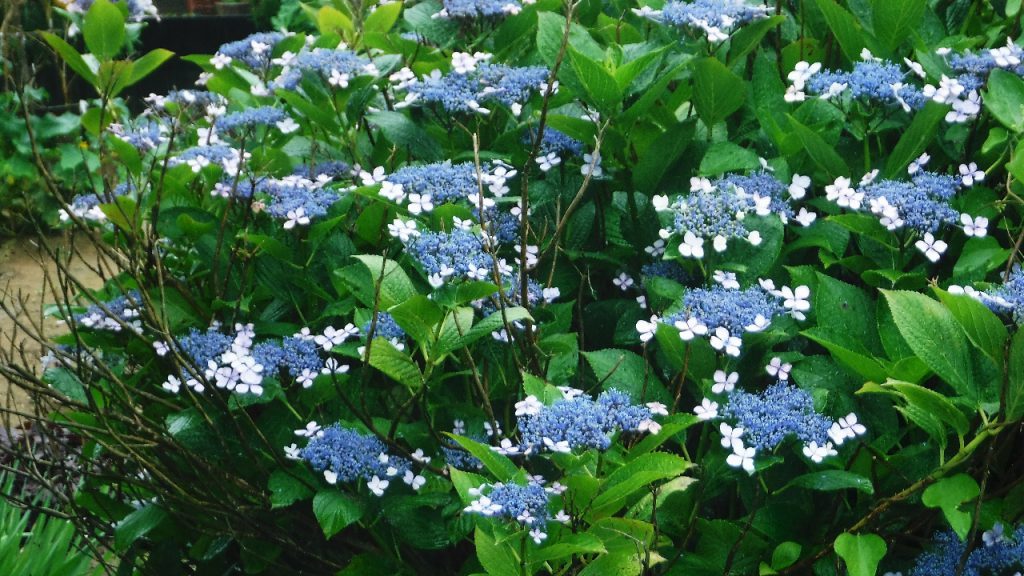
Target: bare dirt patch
24, 268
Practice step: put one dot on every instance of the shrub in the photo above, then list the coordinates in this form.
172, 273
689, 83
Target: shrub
414, 295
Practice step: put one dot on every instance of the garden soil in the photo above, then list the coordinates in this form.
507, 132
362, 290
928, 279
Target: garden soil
23, 267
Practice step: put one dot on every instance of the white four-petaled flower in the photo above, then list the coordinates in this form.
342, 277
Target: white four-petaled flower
707, 410
724, 382
931, 248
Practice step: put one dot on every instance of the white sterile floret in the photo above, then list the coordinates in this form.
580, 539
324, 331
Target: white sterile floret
403, 230
969, 174
719, 243
915, 67
802, 72
707, 410
377, 486
729, 434
371, 178
741, 457
931, 248
647, 329
657, 249
918, 163
161, 348
977, 226
692, 246
219, 61
312, 430
287, 126
690, 328
293, 452
622, 281
724, 341
699, 184
778, 369
754, 237
798, 186
657, 408
727, 279
391, 191
538, 535
591, 160
548, 161
332, 366
529, 406
415, 480
568, 392
560, 447
805, 217
649, 426
724, 382
818, 453
295, 218
420, 203
846, 428
796, 300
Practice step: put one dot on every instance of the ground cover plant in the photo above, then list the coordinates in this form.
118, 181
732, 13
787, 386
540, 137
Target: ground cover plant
554, 288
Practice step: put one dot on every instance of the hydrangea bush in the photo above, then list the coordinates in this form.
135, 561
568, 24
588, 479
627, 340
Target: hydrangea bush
535, 287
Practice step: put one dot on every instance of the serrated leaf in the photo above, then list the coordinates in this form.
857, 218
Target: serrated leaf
497, 559
933, 403
633, 476
893, 20
383, 18
984, 329
717, 92
922, 130
335, 511
395, 363
934, 335
286, 489
599, 85
821, 152
497, 464
1004, 98
395, 286
845, 28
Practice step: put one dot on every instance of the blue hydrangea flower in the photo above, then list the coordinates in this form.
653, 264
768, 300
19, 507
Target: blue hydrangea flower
1003, 555
197, 99
386, 327
138, 10
581, 422
779, 411
351, 455
215, 154
870, 80
332, 169
325, 62
293, 354
761, 184
665, 269
203, 347
555, 142
249, 118
487, 83
716, 18
250, 50
734, 310
1008, 298
291, 194
113, 314
921, 204
479, 8
711, 212
443, 181
529, 503
459, 254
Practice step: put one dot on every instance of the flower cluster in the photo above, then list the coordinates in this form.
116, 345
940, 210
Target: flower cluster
459, 254
138, 10
473, 84
344, 455
249, 119
441, 181
298, 356
724, 312
296, 200
113, 315
717, 19
1007, 298
87, 204
578, 421
336, 66
873, 81
999, 554
227, 361
254, 51
466, 9
527, 505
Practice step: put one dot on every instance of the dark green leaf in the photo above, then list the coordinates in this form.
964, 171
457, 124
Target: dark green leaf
103, 29
1004, 98
984, 329
915, 138
861, 552
833, 480
717, 92
335, 510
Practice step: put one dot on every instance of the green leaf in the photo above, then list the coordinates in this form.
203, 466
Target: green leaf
845, 28
948, 494
625, 74
861, 552
934, 335
286, 489
136, 525
401, 131
497, 559
633, 476
70, 56
1015, 384
496, 321
148, 64
418, 316
670, 145
567, 547
749, 36
395, 363
984, 329
785, 554
626, 371
599, 85
831, 481
931, 402
717, 92
894, 20
916, 138
1004, 98
551, 30
497, 464
335, 510
330, 20
726, 156
383, 18
820, 151
103, 29
395, 286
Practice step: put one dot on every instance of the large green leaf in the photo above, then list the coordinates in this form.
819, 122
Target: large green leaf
103, 29
335, 510
1004, 98
498, 559
395, 286
934, 335
983, 327
382, 18
599, 85
401, 131
497, 464
861, 552
833, 480
1015, 380
895, 20
717, 92
395, 363
70, 56
820, 151
136, 525
948, 494
844, 27
633, 476
915, 138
